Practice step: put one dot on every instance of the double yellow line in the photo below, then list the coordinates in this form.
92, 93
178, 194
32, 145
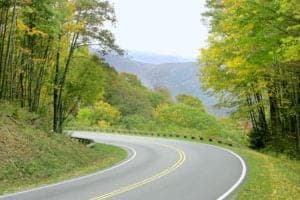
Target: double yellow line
124, 189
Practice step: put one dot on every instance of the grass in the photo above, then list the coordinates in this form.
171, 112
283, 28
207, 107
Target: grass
188, 136
269, 177
227, 130
30, 157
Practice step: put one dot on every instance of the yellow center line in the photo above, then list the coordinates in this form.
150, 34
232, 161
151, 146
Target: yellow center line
167, 171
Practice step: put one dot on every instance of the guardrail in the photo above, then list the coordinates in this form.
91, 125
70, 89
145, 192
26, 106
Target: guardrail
190, 136
83, 140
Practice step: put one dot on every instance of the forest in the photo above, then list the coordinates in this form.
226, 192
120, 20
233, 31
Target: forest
252, 64
38, 41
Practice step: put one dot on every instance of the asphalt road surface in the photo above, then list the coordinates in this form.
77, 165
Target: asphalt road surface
156, 169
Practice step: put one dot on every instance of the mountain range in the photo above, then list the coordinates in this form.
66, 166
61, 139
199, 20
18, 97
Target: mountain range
180, 77
154, 58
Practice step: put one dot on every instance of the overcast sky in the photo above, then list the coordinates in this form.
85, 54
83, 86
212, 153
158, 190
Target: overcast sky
171, 27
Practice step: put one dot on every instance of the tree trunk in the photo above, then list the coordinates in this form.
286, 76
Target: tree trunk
8, 53
59, 98
275, 122
40, 78
3, 36
56, 92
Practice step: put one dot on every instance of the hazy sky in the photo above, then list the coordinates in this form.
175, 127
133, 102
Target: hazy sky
172, 27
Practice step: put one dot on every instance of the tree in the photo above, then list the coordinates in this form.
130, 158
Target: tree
83, 25
253, 62
38, 41
185, 116
190, 101
129, 96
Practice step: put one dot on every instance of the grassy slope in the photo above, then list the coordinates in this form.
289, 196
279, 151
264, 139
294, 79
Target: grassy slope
31, 157
270, 177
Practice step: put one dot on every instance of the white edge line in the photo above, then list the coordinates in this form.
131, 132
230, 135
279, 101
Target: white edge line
236, 185
81, 177
222, 197
243, 174
240, 180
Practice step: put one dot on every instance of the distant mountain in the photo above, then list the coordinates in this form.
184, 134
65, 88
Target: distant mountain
179, 77
153, 58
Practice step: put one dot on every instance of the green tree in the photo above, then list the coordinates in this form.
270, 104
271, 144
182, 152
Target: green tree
252, 62
190, 101
129, 96
82, 26
38, 41
105, 112
185, 116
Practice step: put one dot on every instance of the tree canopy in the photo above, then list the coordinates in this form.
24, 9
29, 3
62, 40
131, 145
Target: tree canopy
252, 64
38, 40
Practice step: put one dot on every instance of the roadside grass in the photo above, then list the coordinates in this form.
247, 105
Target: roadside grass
269, 177
194, 136
30, 157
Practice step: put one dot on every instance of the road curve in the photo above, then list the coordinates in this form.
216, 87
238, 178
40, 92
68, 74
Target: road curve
156, 169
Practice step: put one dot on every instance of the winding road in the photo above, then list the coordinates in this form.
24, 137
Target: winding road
156, 169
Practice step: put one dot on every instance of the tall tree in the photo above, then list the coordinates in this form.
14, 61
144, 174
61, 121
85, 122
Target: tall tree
253, 62
83, 26
38, 39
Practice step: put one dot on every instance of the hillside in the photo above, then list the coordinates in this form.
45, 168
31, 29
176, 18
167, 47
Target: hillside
179, 78
30, 157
